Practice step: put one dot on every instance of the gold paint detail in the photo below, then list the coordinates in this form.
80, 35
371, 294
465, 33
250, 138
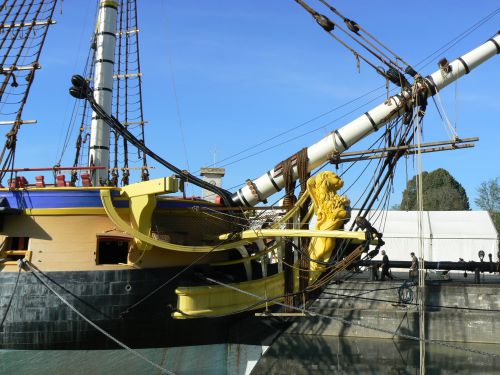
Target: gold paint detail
13, 252
142, 198
9, 263
263, 233
67, 211
199, 301
125, 227
240, 239
152, 187
331, 212
214, 300
27, 254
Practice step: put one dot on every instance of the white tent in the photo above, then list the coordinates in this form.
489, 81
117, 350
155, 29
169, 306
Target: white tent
447, 235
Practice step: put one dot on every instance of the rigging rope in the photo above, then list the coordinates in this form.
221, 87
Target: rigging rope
125, 171
82, 136
35, 272
351, 322
394, 72
9, 304
288, 202
432, 306
421, 249
356, 28
118, 54
81, 90
423, 63
127, 97
18, 49
145, 170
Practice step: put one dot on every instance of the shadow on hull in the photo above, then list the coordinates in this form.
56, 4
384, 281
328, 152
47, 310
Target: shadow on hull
37, 319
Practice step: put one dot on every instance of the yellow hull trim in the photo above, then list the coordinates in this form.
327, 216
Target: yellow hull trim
252, 235
68, 211
256, 234
197, 302
125, 227
216, 300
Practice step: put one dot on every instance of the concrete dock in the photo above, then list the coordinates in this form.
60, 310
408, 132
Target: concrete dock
456, 309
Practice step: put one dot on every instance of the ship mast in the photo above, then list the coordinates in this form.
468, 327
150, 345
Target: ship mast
23, 30
341, 139
105, 41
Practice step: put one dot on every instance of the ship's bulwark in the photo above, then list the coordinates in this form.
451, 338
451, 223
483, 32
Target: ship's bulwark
37, 319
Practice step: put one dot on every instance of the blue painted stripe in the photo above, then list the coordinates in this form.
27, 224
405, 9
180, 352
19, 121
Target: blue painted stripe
40, 199
26, 199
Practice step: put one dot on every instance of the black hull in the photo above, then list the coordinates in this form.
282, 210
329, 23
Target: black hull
37, 319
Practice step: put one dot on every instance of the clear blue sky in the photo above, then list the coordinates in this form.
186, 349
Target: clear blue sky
245, 71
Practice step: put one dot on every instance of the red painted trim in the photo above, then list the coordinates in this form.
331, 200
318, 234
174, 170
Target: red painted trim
52, 169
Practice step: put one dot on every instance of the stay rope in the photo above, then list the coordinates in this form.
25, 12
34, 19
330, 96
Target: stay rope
35, 272
354, 323
7, 308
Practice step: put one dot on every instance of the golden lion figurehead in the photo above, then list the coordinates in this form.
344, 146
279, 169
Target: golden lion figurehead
332, 211
329, 207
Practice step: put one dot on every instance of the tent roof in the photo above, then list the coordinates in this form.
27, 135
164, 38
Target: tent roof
435, 224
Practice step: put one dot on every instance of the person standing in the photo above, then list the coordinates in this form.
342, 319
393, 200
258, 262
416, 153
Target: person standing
413, 267
385, 267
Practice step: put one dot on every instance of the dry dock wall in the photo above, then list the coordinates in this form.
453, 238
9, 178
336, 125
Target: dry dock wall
455, 312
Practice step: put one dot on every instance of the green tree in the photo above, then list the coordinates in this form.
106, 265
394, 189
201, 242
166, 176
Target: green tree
441, 192
489, 199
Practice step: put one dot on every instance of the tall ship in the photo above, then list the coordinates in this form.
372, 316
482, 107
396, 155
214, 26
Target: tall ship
95, 260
